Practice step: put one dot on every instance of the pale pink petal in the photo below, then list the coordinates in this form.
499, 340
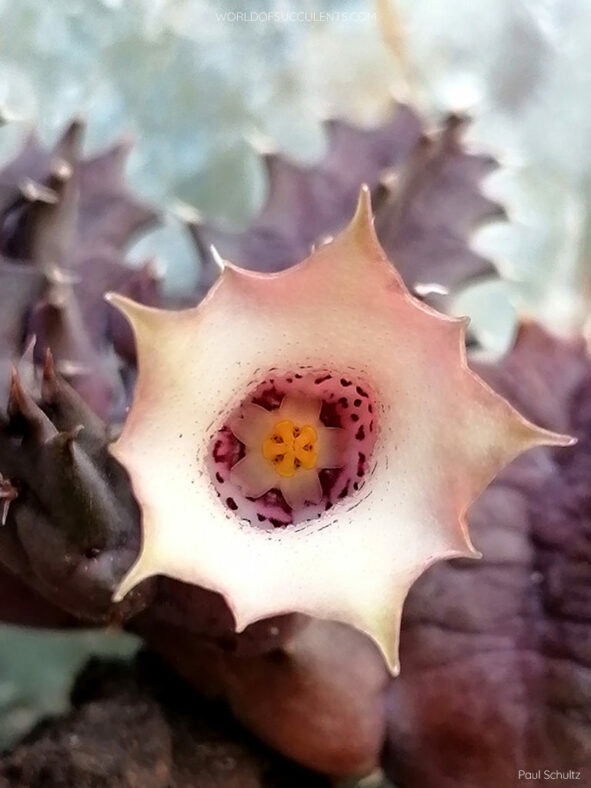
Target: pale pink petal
301, 488
254, 475
300, 410
252, 424
332, 445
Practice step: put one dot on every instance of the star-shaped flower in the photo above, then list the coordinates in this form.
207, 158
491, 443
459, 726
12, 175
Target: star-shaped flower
286, 449
310, 441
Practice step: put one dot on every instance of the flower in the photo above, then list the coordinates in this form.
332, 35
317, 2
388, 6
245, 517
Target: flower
334, 364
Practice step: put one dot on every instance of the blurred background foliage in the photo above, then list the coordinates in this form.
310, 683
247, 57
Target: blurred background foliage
200, 93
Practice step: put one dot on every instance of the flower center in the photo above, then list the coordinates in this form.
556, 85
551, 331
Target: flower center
299, 444
290, 447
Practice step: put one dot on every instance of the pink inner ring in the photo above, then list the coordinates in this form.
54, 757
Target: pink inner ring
347, 403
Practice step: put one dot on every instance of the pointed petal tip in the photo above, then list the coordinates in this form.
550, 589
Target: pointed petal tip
360, 230
120, 593
556, 439
133, 311
121, 303
115, 298
243, 612
240, 623
538, 436
134, 577
392, 661
389, 651
382, 626
363, 216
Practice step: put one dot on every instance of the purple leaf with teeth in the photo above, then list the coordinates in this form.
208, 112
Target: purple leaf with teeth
426, 191
65, 229
496, 655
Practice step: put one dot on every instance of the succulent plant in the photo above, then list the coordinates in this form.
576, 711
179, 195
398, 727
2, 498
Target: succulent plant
242, 493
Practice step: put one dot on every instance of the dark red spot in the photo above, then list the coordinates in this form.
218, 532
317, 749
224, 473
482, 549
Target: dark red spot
330, 415
344, 402
220, 478
277, 523
227, 449
355, 486
360, 434
345, 382
357, 403
231, 504
344, 492
271, 398
371, 426
354, 417
328, 479
261, 518
323, 379
361, 392
217, 451
272, 499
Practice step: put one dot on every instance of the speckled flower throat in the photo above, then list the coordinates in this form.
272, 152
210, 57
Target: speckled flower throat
299, 444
